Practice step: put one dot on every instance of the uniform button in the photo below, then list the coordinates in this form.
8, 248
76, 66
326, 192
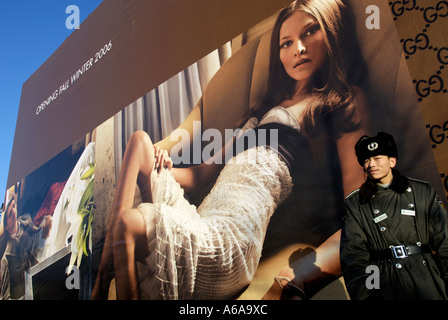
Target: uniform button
419, 244
398, 265
376, 211
424, 262
409, 189
383, 228
411, 205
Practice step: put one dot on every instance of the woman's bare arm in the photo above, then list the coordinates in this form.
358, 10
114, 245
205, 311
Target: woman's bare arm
352, 174
315, 270
193, 179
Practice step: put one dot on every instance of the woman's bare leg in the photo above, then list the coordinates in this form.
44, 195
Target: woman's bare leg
130, 245
137, 166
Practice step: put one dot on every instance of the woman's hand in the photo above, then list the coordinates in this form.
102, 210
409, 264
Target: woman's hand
276, 292
161, 159
11, 217
285, 289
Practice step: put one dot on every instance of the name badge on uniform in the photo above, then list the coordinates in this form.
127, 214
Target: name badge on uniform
380, 218
407, 212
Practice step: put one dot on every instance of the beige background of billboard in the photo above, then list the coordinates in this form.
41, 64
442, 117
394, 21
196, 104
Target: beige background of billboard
424, 63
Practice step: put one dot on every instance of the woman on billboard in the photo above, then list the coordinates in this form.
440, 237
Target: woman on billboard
213, 251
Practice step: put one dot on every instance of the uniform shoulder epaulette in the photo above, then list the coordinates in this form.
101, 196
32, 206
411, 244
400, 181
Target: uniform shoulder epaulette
351, 194
418, 180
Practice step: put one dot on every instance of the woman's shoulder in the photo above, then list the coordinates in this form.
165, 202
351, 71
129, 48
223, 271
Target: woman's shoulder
361, 110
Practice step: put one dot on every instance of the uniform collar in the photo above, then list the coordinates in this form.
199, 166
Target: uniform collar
369, 188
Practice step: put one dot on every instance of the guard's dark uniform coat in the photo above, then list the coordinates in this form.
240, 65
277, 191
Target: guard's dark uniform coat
412, 216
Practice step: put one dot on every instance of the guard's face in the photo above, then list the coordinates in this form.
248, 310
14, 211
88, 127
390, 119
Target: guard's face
302, 46
379, 168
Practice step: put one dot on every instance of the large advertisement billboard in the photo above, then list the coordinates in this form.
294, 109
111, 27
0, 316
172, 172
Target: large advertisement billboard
87, 215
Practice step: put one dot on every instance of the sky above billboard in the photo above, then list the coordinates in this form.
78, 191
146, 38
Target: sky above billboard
30, 31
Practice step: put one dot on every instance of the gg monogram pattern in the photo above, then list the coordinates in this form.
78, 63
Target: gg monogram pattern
422, 27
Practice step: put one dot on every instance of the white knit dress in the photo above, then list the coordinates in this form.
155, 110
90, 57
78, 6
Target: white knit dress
213, 251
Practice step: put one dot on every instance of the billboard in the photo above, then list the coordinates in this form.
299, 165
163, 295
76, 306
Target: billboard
181, 74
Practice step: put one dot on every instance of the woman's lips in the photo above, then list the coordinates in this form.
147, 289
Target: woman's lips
301, 62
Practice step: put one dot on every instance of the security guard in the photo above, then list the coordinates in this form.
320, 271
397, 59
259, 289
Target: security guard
397, 226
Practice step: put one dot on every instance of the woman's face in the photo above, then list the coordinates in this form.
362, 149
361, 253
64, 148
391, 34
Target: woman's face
302, 46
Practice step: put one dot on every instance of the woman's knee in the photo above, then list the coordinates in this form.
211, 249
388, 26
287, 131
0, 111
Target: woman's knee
142, 149
131, 232
140, 139
129, 225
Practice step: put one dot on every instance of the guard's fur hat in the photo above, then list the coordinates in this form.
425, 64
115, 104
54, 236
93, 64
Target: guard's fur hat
381, 144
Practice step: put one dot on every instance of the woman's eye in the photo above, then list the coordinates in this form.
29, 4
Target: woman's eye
312, 30
285, 44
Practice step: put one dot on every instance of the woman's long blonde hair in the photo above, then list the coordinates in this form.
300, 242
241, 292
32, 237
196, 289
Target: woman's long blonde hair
332, 105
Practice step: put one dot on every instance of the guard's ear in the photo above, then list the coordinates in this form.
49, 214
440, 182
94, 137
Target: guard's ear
393, 162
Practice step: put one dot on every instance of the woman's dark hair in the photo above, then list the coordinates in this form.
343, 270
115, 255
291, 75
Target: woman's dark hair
332, 105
